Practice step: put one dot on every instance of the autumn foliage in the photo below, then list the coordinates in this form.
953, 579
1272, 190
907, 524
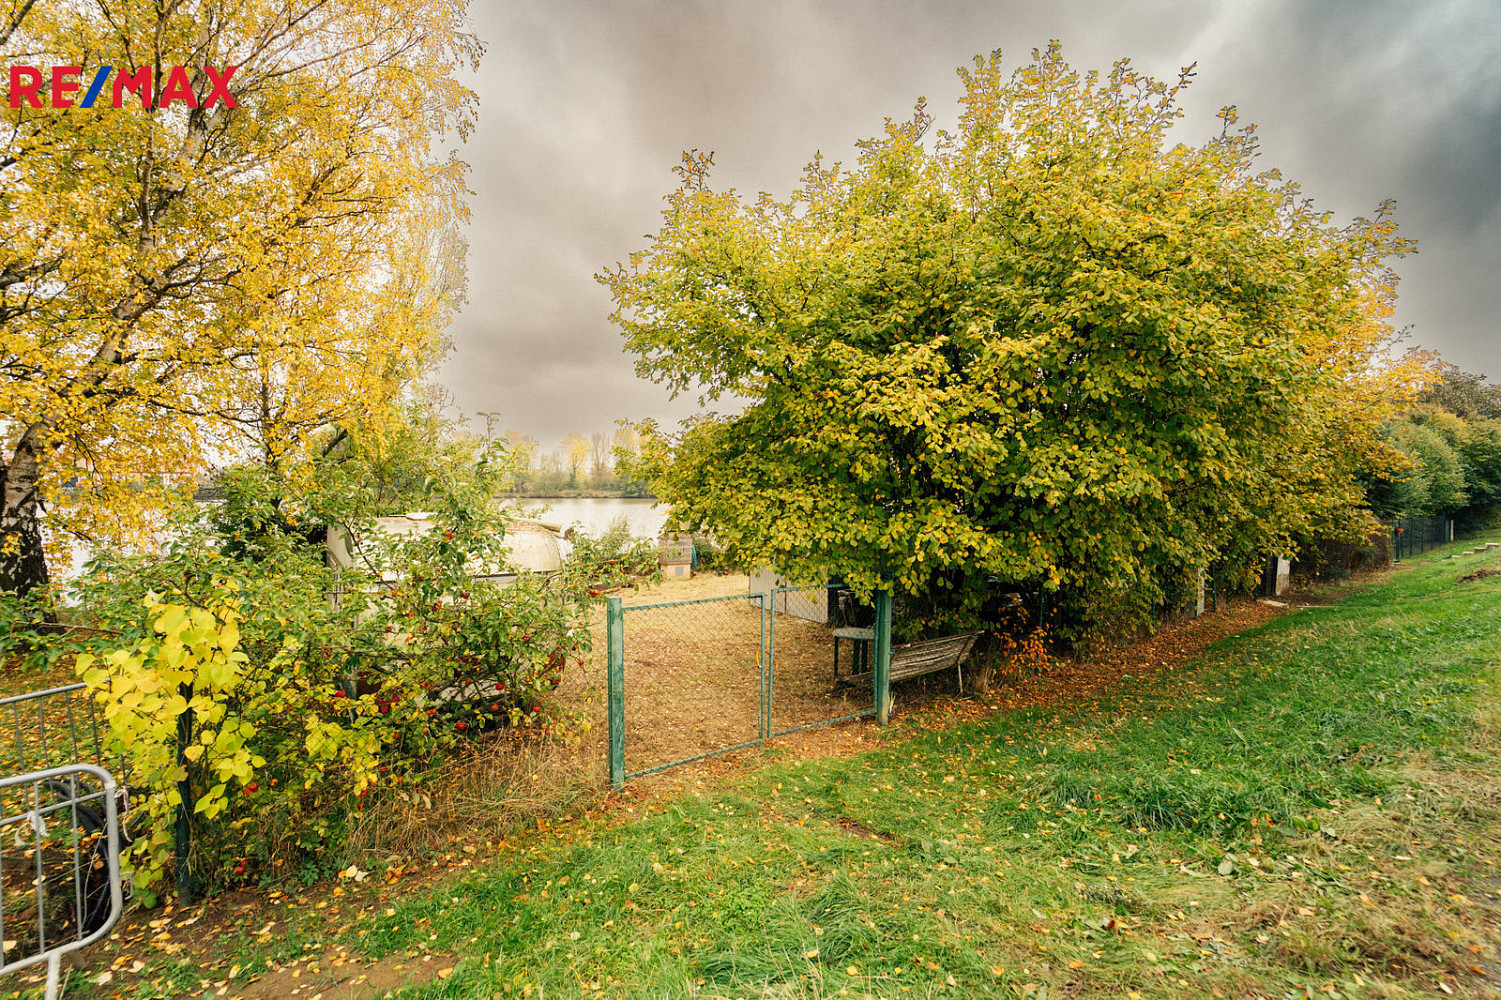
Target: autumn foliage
178, 284
1047, 346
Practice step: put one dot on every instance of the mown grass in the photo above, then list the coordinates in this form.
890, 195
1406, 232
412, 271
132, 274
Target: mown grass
1311, 809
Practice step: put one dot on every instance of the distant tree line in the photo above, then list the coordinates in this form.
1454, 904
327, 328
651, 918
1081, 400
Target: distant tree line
601, 463
1451, 439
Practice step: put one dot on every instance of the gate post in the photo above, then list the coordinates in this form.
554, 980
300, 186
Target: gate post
768, 659
615, 669
882, 671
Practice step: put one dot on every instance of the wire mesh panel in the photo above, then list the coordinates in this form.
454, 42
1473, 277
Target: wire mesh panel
59, 865
53, 728
803, 686
693, 679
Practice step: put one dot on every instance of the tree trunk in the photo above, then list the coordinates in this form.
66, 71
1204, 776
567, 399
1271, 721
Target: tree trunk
23, 566
23, 563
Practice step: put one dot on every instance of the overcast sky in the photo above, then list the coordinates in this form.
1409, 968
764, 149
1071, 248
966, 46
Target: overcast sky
586, 105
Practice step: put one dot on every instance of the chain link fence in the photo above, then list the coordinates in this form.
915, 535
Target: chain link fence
692, 679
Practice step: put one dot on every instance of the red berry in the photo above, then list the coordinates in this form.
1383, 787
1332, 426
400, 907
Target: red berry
251, 787
461, 725
593, 592
432, 711
339, 694
495, 708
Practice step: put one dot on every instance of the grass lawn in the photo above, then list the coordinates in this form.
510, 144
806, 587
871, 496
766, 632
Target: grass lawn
1312, 809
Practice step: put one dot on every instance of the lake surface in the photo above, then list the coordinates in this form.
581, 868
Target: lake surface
595, 514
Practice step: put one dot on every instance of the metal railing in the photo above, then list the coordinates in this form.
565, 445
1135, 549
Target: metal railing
63, 892
51, 728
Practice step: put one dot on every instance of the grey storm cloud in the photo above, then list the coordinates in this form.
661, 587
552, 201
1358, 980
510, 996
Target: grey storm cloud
586, 105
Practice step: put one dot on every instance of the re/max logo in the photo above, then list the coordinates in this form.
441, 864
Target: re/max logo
27, 85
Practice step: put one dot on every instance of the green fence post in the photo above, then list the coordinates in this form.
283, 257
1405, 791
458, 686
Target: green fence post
615, 658
882, 672
768, 658
182, 829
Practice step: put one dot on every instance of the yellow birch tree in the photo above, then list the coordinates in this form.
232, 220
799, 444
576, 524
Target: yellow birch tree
225, 260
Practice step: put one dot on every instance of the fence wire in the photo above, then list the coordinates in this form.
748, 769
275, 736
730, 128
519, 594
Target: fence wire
691, 679
803, 689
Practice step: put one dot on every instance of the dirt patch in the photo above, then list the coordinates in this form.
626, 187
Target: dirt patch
858, 829
335, 976
1480, 574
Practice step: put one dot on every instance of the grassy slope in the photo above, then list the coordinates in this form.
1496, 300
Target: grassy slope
1313, 808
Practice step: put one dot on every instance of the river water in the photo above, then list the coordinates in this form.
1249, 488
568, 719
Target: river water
595, 514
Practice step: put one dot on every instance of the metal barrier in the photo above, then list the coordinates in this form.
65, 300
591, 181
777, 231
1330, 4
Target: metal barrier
51, 728
1415, 535
65, 892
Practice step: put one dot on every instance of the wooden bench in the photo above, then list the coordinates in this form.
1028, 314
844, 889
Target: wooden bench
926, 656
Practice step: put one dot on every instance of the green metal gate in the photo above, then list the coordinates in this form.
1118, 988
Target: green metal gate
694, 679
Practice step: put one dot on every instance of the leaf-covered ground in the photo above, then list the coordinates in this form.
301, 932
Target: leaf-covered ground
1310, 808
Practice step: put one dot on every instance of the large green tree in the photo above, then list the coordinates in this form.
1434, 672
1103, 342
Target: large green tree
1464, 394
1452, 462
1047, 345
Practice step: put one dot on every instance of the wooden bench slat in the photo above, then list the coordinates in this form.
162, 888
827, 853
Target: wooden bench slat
926, 656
